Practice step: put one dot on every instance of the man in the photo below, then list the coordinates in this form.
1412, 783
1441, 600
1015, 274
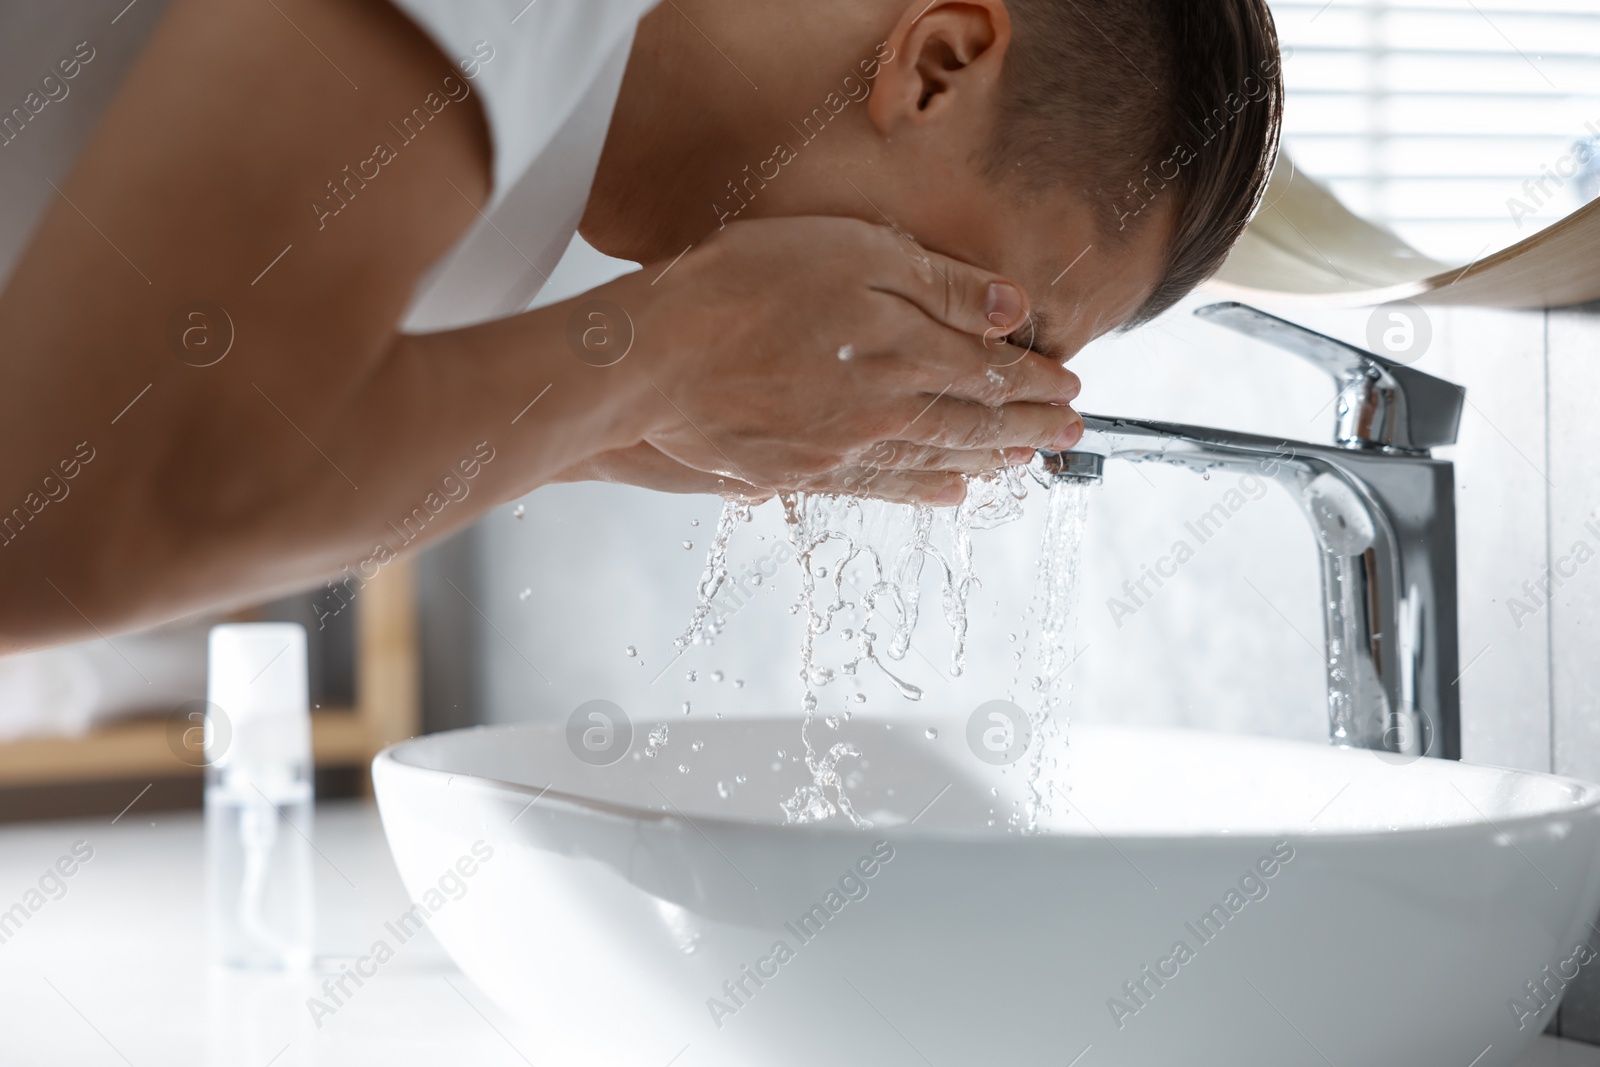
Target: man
273, 314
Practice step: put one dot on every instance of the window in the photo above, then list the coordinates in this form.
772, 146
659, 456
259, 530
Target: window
1463, 125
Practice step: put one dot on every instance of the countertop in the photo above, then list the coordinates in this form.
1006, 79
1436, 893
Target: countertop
113, 971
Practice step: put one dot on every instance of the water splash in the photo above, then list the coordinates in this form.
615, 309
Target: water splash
887, 547
702, 626
815, 521
868, 559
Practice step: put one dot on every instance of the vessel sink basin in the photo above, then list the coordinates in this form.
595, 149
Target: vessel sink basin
1196, 899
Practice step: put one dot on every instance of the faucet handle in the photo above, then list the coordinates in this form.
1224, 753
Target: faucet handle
1382, 404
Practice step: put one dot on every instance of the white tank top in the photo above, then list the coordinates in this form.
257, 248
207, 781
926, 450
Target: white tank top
546, 72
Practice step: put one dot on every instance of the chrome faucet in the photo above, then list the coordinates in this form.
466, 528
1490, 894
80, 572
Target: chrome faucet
1383, 510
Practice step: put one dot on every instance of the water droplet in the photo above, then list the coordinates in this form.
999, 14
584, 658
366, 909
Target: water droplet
694, 522
740, 779
738, 683
832, 721
631, 651
931, 733
692, 676
683, 768
688, 545
525, 594
717, 676
518, 511
656, 740
723, 791
697, 746
686, 707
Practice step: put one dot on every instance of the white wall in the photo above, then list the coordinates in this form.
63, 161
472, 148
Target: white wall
1232, 644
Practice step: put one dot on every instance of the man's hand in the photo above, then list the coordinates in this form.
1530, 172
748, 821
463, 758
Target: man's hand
889, 472
647, 467
831, 355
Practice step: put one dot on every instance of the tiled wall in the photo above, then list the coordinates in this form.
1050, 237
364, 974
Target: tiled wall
1573, 361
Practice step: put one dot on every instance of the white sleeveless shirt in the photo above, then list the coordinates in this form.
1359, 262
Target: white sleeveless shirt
546, 72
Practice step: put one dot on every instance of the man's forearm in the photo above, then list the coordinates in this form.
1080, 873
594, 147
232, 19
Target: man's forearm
448, 426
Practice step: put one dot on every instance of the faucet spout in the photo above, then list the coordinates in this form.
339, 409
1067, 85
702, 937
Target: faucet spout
1385, 524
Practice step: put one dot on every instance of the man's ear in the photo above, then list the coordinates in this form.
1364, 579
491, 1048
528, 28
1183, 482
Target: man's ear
944, 53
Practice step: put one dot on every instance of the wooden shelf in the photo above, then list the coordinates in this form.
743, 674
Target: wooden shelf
140, 749
387, 710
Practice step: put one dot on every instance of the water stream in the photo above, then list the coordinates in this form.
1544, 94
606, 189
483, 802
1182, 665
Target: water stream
865, 561
1053, 615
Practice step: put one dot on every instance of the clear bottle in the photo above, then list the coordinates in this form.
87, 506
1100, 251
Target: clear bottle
258, 805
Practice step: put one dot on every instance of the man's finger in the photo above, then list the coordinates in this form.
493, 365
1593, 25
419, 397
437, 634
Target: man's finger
935, 358
910, 456
963, 297
960, 424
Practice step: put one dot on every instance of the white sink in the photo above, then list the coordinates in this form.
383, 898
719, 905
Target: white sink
1381, 913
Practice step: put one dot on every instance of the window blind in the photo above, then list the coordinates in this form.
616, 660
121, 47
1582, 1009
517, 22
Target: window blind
1460, 125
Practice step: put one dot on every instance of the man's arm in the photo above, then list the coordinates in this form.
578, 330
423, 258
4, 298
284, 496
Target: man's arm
204, 170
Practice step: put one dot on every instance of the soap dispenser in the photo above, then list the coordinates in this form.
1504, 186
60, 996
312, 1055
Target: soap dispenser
258, 800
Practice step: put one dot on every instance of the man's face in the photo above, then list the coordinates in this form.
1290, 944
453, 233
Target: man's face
1080, 285
871, 120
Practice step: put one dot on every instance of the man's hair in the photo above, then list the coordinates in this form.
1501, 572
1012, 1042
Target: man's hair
1142, 101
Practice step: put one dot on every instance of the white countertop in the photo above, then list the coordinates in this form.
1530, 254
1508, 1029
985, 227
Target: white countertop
114, 972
